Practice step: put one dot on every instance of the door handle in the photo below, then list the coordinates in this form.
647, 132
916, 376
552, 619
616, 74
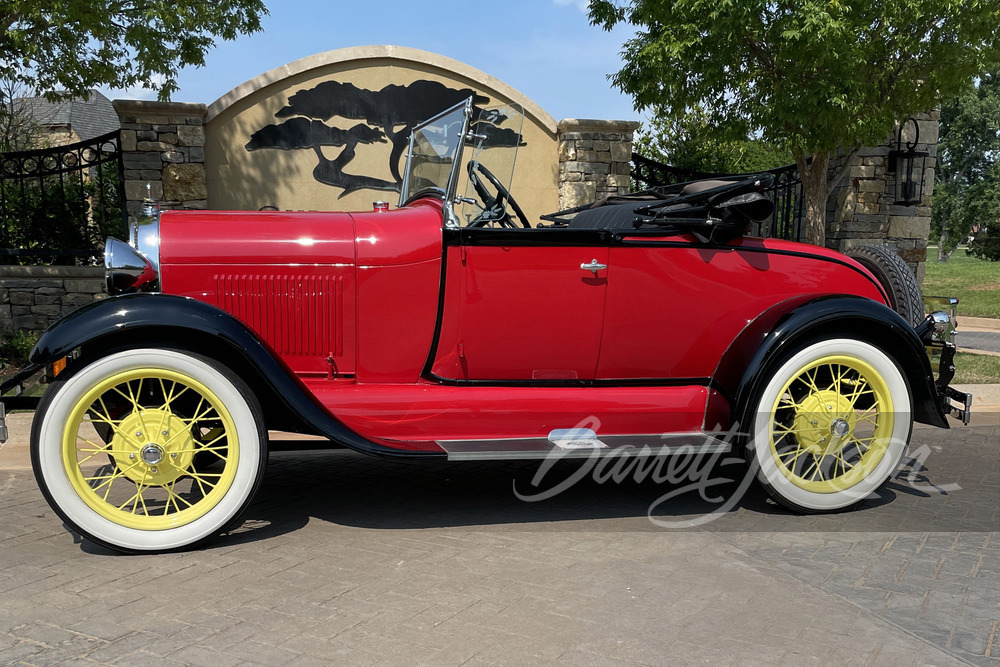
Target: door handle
594, 266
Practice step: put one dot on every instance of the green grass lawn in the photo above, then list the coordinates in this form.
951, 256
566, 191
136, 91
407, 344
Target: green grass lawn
975, 282
976, 369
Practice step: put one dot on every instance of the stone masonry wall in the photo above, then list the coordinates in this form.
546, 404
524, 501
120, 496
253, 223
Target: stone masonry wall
164, 147
34, 297
862, 209
595, 158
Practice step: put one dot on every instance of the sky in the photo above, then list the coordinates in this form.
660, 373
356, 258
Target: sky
546, 49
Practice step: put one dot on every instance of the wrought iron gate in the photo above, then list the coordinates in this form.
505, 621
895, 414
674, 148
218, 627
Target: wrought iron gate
58, 204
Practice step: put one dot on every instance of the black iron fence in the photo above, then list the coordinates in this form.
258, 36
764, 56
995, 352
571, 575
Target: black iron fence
785, 192
58, 204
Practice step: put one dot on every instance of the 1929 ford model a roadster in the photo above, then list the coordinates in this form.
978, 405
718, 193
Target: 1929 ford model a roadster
457, 327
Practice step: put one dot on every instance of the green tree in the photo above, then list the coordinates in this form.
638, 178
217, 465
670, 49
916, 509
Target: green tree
78, 45
811, 76
967, 192
690, 143
986, 244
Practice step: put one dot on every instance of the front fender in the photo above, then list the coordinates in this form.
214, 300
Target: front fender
130, 319
136, 312
778, 332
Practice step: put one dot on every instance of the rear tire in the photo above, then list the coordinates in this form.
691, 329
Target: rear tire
895, 277
137, 488
830, 426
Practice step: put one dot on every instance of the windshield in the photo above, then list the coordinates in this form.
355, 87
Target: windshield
498, 132
435, 159
435, 147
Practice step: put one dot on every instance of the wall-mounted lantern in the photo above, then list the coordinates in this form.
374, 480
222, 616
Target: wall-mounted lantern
908, 163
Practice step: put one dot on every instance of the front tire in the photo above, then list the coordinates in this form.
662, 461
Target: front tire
830, 426
139, 489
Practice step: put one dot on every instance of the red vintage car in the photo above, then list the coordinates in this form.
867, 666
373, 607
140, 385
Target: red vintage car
457, 327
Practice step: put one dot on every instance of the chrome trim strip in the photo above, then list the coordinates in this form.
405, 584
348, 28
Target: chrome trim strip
616, 445
144, 236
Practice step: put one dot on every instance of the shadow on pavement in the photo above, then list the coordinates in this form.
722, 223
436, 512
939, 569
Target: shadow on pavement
938, 489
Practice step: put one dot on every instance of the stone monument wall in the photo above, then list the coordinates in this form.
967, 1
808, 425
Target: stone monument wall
34, 297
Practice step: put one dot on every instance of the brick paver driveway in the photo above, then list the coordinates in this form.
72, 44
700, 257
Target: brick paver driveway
356, 561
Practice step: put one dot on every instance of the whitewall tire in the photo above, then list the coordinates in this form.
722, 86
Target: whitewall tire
830, 425
114, 442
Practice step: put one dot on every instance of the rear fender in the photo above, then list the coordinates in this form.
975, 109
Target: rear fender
747, 363
142, 320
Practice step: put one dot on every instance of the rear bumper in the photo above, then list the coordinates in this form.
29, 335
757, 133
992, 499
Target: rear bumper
937, 332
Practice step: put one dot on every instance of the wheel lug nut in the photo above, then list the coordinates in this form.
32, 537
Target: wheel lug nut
138, 434
165, 432
174, 455
153, 469
131, 457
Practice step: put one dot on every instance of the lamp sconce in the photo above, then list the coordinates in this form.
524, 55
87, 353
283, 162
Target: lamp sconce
908, 163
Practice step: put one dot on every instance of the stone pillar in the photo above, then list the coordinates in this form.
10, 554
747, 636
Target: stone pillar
164, 146
862, 208
595, 158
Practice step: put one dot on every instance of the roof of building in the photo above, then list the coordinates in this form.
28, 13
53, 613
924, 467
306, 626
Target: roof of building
87, 118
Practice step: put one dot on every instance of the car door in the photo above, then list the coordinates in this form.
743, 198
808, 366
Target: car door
522, 305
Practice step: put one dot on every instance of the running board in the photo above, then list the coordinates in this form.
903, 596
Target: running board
584, 443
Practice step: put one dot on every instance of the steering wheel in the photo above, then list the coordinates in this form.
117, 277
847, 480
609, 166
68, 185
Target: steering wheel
494, 208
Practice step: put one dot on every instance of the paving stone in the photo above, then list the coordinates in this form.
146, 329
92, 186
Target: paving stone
403, 562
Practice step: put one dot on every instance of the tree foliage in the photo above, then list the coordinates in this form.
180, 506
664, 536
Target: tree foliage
60, 214
690, 143
78, 45
811, 76
986, 244
967, 193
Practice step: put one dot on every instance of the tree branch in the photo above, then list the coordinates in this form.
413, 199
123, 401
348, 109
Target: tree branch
762, 55
839, 176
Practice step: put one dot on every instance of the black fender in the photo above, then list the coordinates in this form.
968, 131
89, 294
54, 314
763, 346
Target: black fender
744, 368
132, 320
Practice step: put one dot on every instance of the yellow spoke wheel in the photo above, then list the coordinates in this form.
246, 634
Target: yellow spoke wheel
151, 484
830, 425
148, 449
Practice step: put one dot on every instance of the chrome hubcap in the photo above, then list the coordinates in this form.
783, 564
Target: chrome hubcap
152, 454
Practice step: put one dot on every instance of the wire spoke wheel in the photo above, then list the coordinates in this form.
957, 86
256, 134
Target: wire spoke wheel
152, 483
148, 450
831, 425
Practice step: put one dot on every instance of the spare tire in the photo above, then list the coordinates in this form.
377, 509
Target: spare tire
895, 277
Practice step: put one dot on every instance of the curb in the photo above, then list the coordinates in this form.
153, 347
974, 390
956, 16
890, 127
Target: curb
972, 350
985, 397
978, 324
15, 454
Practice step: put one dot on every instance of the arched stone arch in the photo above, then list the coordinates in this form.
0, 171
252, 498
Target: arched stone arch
319, 133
